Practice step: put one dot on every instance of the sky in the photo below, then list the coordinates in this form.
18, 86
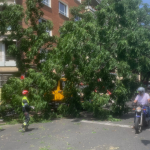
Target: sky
146, 1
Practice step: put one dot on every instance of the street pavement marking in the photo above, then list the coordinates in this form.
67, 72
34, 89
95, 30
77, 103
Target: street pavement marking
107, 123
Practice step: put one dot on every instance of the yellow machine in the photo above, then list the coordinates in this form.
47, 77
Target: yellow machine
58, 91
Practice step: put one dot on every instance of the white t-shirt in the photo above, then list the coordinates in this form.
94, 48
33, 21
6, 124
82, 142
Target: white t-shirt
142, 100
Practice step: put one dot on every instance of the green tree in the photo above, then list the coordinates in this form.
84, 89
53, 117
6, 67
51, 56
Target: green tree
34, 45
114, 38
124, 34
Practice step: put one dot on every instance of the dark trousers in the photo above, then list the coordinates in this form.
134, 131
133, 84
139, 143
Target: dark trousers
148, 111
27, 118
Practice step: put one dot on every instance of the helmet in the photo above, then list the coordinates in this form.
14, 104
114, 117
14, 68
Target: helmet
141, 90
24, 92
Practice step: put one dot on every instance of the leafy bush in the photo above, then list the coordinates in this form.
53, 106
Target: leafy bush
71, 108
12, 93
96, 105
87, 50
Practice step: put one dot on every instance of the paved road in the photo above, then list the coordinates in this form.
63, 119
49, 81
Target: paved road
75, 134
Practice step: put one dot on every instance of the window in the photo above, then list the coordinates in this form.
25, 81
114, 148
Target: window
44, 54
8, 57
47, 2
77, 18
9, 28
5, 58
48, 31
4, 78
42, 20
63, 9
79, 1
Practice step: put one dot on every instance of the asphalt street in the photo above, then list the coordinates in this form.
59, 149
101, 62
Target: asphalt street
75, 134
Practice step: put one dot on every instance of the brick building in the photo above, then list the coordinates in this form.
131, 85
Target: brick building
55, 10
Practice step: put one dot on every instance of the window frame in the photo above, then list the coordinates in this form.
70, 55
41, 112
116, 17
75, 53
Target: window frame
7, 56
77, 18
48, 31
66, 14
3, 62
47, 3
44, 59
79, 1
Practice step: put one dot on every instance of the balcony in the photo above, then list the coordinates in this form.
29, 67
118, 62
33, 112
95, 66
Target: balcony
90, 9
91, 5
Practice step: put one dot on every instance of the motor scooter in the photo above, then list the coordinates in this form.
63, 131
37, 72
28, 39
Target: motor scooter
141, 117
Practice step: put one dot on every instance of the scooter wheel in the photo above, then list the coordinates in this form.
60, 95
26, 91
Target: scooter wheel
138, 128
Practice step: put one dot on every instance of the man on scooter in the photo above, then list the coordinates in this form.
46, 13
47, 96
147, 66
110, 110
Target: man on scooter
142, 98
26, 107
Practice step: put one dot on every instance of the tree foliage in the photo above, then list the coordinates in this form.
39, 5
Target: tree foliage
34, 44
114, 38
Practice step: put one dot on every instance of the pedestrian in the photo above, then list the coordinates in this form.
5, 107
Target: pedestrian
26, 107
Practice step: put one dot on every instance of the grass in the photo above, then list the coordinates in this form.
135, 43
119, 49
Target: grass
93, 132
42, 142
111, 118
2, 124
37, 119
12, 121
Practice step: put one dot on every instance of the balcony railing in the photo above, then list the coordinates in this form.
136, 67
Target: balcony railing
90, 9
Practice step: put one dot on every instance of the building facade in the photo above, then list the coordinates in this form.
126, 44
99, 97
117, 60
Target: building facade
58, 11
55, 10
7, 63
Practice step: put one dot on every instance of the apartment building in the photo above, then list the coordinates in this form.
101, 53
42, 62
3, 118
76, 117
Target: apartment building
7, 62
55, 10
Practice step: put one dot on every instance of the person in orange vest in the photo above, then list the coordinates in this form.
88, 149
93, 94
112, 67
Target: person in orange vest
26, 107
